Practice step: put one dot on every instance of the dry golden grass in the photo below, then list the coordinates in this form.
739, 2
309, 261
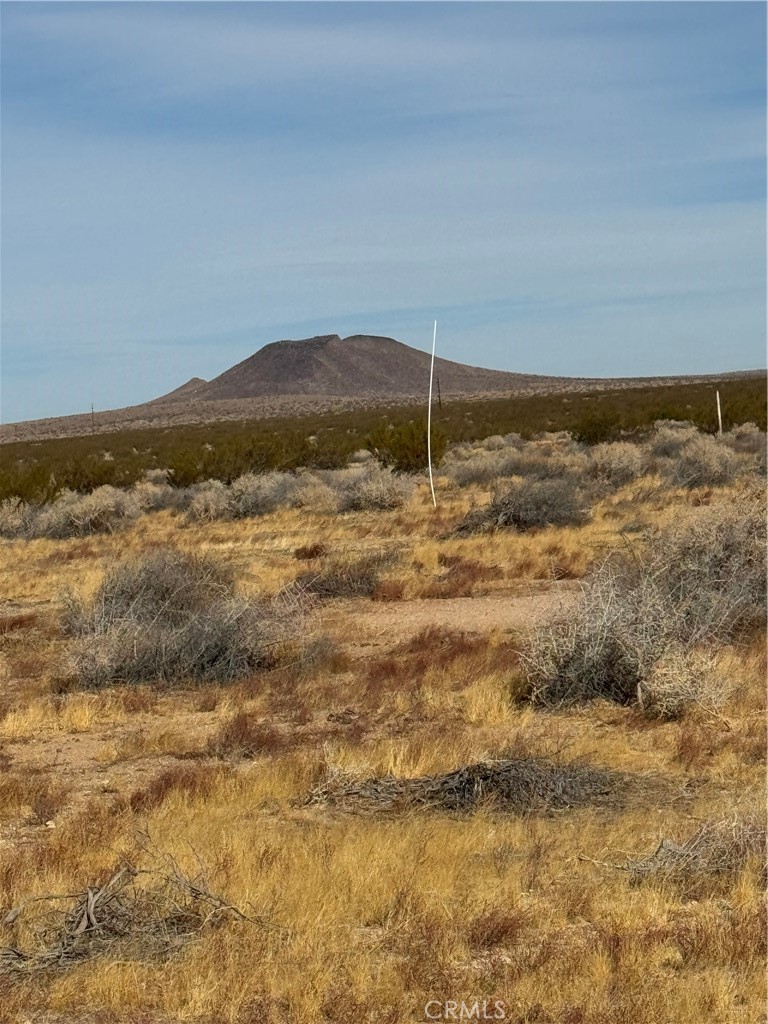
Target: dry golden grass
362, 917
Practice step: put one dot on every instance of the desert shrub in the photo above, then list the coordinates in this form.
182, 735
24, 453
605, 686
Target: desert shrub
746, 438
244, 736
619, 462
681, 677
360, 457
494, 443
155, 497
15, 517
374, 489
669, 437
711, 565
403, 448
172, 617
597, 426
313, 493
157, 476
550, 457
78, 515
639, 623
480, 468
544, 462
525, 506
258, 494
460, 577
703, 462
210, 501
345, 579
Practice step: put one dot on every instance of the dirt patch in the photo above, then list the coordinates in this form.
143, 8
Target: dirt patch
378, 624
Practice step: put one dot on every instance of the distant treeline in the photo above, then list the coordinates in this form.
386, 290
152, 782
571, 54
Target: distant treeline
38, 470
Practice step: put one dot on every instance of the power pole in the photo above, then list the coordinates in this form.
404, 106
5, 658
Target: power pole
439, 399
93, 424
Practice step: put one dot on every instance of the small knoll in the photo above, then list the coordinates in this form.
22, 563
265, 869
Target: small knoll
189, 390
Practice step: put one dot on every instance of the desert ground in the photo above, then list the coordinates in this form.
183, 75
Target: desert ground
480, 753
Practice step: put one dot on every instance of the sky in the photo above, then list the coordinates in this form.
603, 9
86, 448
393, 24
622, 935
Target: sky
568, 188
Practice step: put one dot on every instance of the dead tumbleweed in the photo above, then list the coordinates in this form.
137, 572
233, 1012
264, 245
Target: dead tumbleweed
517, 786
717, 847
123, 918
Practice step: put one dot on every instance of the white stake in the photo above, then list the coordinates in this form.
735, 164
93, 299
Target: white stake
719, 416
429, 418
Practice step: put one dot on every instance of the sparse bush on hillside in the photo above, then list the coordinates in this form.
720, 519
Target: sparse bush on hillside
170, 617
643, 617
712, 565
526, 506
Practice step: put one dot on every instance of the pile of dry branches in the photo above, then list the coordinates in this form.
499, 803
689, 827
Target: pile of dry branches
717, 847
516, 786
121, 919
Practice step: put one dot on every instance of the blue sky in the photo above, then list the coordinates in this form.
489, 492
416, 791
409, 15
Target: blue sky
569, 188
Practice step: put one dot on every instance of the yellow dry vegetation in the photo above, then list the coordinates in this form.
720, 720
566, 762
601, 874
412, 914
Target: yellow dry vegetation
367, 917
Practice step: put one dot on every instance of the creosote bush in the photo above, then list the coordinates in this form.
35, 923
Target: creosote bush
403, 447
171, 617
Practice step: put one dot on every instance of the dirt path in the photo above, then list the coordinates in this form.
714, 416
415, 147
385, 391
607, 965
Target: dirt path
365, 624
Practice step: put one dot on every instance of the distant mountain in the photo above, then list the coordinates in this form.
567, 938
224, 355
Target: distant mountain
322, 375
361, 366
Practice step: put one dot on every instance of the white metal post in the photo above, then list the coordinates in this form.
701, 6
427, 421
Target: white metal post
719, 416
429, 417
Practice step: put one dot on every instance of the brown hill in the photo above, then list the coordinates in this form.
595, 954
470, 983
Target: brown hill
361, 366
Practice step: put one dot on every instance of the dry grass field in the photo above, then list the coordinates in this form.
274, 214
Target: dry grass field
285, 862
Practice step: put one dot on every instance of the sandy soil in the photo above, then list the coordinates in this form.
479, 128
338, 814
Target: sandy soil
384, 625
